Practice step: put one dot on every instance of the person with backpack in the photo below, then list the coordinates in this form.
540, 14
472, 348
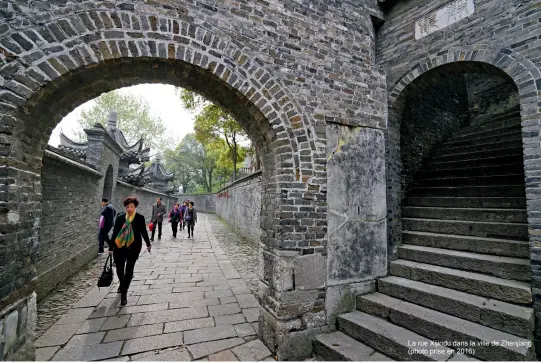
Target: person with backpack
175, 216
190, 217
107, 220
128, 234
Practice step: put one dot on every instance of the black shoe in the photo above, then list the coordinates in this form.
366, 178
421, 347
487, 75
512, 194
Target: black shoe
124, 299
159, 238
151, 240
188, 236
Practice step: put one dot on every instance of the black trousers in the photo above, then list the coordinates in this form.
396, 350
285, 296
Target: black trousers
103, 237
159, 225
190, 224
174, 227
125, 259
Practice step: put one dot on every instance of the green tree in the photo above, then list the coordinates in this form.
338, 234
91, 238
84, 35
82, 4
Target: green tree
134, 119
212, 124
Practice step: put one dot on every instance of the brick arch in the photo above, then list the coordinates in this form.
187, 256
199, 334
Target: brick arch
46, 80
519, 71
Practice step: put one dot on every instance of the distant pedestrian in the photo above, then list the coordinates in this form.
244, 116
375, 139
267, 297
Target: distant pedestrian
191, 218
158, 211
175, 216
107, 219
130, 229
183, 209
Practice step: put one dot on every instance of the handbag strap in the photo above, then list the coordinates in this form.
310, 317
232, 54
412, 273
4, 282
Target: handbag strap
110, 260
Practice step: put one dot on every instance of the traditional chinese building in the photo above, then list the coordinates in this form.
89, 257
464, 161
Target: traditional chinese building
159, 177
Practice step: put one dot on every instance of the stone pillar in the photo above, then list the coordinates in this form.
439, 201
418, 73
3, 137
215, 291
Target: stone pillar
17, 326
356, 194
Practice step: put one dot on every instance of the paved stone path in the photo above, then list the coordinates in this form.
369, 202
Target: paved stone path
187, 302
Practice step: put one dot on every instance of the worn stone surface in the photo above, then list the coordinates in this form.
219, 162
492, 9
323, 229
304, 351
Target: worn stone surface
342, 298
310, 272
223, 356
251, 351
157, 331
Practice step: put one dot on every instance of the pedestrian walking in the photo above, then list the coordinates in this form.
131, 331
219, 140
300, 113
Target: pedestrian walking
175, 216
190, 218
129, 232
158, 211
107, 220
183, 209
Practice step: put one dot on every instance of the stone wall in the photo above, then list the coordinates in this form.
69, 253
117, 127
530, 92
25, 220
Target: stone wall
71, 204
239, 204
490, 94
202, 202
17, 328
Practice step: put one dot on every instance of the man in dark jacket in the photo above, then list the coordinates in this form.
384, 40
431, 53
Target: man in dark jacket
158, 211
108, 214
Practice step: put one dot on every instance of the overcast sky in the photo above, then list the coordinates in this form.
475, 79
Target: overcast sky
163, 103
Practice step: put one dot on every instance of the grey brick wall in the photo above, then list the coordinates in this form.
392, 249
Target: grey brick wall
202, 202
240, 206
146, 199
71, 205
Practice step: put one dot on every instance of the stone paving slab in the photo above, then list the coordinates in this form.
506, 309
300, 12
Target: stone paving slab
207, 348
88, 352
151, 343
209, 334
187, 301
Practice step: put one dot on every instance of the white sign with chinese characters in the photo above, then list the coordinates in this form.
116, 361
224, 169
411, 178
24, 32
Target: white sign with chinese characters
443, 17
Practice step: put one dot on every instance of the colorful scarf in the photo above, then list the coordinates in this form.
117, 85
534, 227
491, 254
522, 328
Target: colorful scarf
125, 236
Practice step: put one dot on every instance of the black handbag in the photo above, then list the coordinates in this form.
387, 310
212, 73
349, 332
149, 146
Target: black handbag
106, 278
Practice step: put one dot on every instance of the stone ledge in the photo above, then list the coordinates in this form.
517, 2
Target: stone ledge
53, 154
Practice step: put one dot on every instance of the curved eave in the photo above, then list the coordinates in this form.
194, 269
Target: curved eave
66, 142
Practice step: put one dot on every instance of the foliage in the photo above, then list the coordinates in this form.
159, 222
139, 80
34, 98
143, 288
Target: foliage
134, 119
213, 126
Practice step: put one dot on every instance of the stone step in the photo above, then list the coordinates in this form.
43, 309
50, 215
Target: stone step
513, 231
515, 142
513, 168
446, 328
390, 339
485, 161
469, 214
506, 179
475, 191
499, 266
475, 202
457, 156
511, 248
502, 122
490, 118
506, 290
337, 346
509, 318
467, 133
483, 140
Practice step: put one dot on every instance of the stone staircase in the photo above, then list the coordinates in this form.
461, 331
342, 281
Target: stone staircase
463, 271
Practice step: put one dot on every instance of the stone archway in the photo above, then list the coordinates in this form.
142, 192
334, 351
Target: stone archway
501, 62
98, 52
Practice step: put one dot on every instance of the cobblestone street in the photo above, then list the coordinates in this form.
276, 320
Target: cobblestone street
187, 301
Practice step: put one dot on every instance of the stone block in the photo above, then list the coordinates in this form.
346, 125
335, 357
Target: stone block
342, 298
170, 315
93, 298
115, 322
357, 250
185, 325
310, 272
207, 348
86, 339
245, 330
247, 301
296, 346
227, 309
10, 330
298, 302
76, 315
230, 319
88, 352
151, 343
133, 332
58, 334
251, 314
226, 355
251, 351
46, 353
209, 334
174, 355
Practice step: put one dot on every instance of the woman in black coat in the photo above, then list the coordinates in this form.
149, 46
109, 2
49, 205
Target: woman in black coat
129, 230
